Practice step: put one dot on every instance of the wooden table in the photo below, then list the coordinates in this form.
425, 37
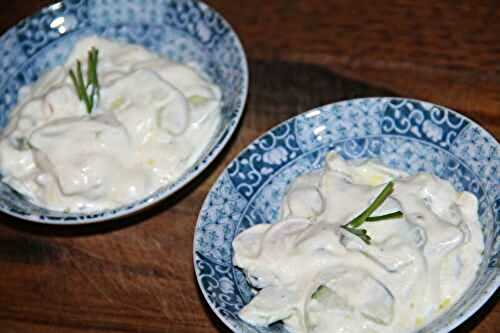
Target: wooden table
136, 275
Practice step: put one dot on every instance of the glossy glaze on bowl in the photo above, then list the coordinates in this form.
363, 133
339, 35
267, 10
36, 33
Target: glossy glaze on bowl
186, 31
410, 135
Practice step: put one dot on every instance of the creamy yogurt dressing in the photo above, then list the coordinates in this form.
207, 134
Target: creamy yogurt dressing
154, 118
317, 277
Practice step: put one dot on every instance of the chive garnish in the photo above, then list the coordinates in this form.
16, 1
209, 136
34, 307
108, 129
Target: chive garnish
365, 216
81, 87
395, 215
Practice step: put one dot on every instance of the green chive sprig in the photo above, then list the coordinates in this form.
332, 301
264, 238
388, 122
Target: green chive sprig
82, 87
365, 216
395, 215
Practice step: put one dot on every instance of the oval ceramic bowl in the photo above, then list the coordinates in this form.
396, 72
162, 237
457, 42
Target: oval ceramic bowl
183, 30
410, 135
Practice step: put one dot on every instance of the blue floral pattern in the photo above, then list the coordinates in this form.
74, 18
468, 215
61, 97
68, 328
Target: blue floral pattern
186, 31
410, 135
219, 220
352, 119
253, 168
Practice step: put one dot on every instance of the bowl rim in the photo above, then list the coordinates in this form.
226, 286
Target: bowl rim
153, 198
485, 296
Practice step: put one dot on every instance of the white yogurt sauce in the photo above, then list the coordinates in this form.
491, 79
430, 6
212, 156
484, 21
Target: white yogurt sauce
154, 119
317, 277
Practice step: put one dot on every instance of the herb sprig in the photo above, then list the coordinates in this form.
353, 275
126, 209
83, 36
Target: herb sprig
82, 88
365, 216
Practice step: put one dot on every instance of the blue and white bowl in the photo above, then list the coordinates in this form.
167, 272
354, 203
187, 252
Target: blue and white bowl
183, 30
410, 135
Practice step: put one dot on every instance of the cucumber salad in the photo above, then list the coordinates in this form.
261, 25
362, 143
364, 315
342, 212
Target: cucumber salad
360, 248
111, 125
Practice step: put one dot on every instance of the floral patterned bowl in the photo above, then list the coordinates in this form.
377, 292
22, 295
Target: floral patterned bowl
410, 135
183, 30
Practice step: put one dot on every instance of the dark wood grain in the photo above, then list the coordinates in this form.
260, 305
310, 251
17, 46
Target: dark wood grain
136, 274
446, 52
